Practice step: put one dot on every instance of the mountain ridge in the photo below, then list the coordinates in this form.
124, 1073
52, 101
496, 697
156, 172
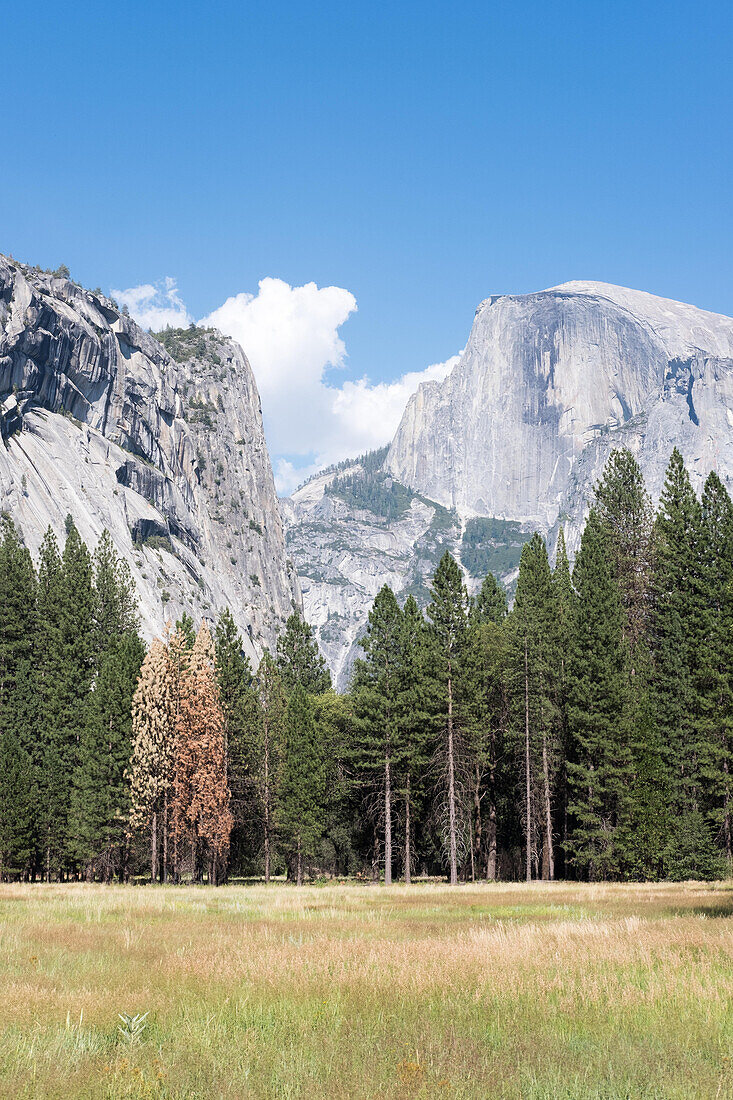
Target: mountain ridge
99, 421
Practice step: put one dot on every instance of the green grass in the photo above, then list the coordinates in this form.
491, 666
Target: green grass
360, 991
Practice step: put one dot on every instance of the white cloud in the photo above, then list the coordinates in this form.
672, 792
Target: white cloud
369, 415
291, 338
155, 306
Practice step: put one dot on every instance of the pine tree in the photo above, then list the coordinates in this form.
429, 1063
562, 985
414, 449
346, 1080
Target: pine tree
186, 631
66, 618
413, 712
301, 791
563, 603
624, 507
19, 714
299, 659
486, 689
100, 805
714, 668
234, 677
490, 605
375, 695
677, 632
115, 603
17, 804
596, 691
265, 750
448, 614
19, 621
201, 814
533, 624
153, 744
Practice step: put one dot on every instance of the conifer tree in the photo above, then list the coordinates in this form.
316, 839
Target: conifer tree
19, 619
301, 791
17, 804
265, 750
714, 681
115, 603
448, 614
533, 624
100, 805
186, 631
490, 605
19, 755
66, 615
413, 714
486, 690
677, 631
624, 507
299, 658
376, 711
234, 677
201, 814
153, 743
596, 686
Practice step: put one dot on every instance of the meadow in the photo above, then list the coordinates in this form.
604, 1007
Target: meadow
536, 991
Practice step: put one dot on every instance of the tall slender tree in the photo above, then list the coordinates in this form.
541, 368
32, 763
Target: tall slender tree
413, 714
153, 744
265, 751
714, 674
596, 687
448, 614
299, 658
301, 791
200, 812
376, 709
533, 623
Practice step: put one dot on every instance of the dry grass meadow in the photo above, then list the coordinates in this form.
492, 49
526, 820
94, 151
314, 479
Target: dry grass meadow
360, 991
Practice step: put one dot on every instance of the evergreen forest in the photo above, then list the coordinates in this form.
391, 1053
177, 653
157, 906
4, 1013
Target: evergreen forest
586, 733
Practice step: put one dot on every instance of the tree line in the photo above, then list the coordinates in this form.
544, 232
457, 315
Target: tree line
586, 733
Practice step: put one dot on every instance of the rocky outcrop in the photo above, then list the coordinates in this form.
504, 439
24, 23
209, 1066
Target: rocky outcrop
164, 448
514, 440
344, 552
550, 382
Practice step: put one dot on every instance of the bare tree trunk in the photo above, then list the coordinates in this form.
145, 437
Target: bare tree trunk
548, 855
165, 837
452, 790
491, 858
408, 853
154, 849
527, 791
476, 849
387, 822
299, 879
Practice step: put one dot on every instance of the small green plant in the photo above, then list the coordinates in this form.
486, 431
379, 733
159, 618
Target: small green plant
132, 1027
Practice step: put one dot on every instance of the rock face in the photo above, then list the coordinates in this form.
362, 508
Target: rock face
164, 448
549, 383
353, 530
344, 552
514, 440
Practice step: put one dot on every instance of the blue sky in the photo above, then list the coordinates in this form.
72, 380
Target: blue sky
417, 156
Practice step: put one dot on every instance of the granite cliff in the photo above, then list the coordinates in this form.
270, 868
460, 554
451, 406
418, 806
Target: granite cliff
513, 440
161, 445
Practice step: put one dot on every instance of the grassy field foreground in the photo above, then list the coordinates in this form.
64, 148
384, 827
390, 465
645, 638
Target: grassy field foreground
361, 991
